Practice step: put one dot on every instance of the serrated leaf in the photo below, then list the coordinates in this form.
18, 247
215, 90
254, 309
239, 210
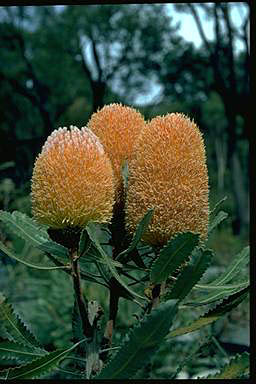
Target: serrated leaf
19, 352
190, 275
218, 204
143, 342
140, 229
217, 220
234, 269
38, 367
24, 227
15, 328
195, 352
213, 314
218, 293
176, 252
55, 249
92, 234
237, 367
22, 258
27, 229
84, 242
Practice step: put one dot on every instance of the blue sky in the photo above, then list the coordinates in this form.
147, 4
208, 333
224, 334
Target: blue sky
188, 28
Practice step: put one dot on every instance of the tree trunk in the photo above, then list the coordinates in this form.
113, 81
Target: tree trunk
241, 221
98, 91
221, 157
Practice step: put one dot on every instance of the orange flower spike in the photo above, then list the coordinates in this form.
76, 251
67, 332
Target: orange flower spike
72, 181
168, 172
117, 127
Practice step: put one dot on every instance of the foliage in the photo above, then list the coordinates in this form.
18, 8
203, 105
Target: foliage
114, 54
25, 357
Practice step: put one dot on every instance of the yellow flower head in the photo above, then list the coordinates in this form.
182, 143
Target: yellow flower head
117, 127
168, 172
72, 180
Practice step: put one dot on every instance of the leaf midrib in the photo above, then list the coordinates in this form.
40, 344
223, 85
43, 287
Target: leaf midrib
134, 354
171, 259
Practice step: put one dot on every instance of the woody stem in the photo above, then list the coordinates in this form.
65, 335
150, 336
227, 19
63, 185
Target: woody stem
87, 328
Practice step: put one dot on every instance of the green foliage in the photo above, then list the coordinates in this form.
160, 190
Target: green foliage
44, 265
15, 328
142, 344
182, 263
91, 232
140, 229
237, 368
191, 274
27, 229
20, 352
176, 252
213, 314
39, 367
217, 220
227, 283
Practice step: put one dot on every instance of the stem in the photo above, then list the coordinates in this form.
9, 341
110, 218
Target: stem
113, 308
87, 328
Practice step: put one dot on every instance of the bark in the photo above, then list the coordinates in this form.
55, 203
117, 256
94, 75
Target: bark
229, 94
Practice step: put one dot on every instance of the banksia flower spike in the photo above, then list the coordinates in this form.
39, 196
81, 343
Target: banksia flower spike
72, 180
117, 127
168, 172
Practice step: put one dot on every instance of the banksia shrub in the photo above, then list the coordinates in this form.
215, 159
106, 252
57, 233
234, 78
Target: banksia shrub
72, 180
117, 127
168, 172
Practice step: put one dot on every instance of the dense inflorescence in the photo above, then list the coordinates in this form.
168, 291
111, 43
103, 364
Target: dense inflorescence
118, 128
72, 180
168, 172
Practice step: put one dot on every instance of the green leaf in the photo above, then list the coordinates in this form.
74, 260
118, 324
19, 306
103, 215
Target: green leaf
16, 329
219, 293
43, 265
218, 204
219, 287
7, 164
234, 269
55, 249
84, 242
24, 227
141, 227
237, 367
191, 274
38, 367
19, 352
217, 220
213, 314
176, 252
143, 342
92, 234
27, 229
195, 352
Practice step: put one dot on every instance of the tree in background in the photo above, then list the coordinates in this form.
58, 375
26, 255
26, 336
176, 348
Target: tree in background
59, 64
52, 58
214, 74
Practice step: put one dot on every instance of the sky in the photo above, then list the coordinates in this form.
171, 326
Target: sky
188, 30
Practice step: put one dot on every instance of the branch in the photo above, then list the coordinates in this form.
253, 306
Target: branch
87, 328
97, 59
199, 26
84, 64
232, 75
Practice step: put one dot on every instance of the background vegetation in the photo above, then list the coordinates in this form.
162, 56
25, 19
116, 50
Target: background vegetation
58, 65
